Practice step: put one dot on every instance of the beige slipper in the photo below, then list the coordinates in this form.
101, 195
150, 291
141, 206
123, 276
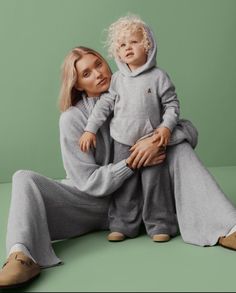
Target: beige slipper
228, 241
18, 270
116, 236
161, 237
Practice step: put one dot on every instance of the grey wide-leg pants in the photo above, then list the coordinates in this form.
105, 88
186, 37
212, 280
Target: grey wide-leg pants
204, 212
145, 196
43, 210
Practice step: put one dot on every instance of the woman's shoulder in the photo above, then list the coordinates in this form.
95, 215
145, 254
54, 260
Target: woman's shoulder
73, 116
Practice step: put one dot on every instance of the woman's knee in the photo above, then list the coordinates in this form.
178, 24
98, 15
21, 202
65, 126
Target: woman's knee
22, 175
25, 185
180, 152
181, 148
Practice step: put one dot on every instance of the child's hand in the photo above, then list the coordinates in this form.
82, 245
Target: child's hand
87, 140
161, 134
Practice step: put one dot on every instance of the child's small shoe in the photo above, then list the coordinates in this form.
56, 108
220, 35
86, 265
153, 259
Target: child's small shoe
116, 236
161, 237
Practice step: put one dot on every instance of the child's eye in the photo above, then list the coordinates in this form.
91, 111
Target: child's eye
134, 42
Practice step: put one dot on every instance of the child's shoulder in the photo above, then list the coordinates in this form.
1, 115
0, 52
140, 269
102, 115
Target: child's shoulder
159, 71
160, 75
115, 80
115, 76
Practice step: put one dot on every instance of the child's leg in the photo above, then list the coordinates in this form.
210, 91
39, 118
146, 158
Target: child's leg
158, 209
125, 211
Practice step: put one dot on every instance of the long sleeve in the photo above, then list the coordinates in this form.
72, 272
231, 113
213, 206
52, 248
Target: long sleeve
184, 131
101, 111
169, 102
86, 174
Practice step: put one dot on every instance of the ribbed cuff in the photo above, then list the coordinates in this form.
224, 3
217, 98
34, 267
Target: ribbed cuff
169, 124
91, 127
121, 170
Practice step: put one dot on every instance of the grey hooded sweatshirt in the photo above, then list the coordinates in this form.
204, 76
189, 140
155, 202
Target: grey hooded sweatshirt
142, 100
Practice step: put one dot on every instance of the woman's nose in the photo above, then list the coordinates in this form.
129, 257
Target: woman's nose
97, 73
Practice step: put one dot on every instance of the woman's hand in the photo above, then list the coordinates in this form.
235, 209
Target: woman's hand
145, 153
87, 140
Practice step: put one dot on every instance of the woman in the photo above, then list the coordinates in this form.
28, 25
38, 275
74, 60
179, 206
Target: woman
43, 210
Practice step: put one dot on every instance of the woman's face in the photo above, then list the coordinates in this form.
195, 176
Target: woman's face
94, 75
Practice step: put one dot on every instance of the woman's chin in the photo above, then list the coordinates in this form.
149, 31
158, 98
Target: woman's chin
104, 88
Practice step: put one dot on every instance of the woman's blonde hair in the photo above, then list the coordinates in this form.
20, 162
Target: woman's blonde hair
69, 94
130, 23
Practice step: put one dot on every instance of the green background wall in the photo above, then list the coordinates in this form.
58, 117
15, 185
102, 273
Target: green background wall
197, 47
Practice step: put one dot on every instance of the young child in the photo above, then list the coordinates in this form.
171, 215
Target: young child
144, 101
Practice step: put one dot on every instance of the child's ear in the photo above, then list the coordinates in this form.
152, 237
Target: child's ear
117, 55
119, 58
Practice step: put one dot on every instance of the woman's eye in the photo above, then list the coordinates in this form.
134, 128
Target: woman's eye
99, 64
134, 42
122, 45
86, 74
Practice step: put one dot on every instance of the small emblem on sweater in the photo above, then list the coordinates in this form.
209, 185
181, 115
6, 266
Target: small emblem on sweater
149, 91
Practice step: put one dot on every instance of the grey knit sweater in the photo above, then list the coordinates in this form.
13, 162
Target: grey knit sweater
142, 100
92, 172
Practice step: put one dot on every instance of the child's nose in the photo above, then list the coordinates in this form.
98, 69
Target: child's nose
128, 46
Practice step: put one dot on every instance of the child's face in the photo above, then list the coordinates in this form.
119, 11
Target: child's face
131, 49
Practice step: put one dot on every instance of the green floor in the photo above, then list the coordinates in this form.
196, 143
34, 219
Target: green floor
92, 264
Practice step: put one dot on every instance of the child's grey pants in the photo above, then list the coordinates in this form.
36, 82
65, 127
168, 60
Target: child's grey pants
43, 209
145, 196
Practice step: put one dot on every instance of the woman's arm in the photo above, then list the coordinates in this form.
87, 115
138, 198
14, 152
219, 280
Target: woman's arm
81, 168
147, 153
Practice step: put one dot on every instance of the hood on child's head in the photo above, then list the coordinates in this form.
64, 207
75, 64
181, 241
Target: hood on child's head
151, 60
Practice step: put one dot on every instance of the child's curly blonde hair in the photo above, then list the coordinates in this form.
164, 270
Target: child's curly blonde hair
130, 23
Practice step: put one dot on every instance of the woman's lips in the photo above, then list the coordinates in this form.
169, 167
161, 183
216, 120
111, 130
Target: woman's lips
102, 82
